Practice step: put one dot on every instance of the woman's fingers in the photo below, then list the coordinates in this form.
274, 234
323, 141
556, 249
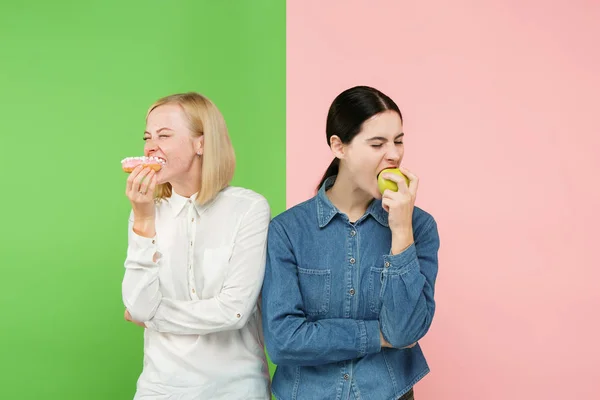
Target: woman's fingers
131, 178
414, 180
146, 182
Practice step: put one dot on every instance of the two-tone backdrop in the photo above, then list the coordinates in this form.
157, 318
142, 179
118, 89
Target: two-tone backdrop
500, 102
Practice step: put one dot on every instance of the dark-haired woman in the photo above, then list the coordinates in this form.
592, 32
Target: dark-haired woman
350, 274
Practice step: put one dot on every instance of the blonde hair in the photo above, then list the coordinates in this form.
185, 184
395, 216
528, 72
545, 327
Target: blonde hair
218, 158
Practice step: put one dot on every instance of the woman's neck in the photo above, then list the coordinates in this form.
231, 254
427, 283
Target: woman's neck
190, 182
348, 198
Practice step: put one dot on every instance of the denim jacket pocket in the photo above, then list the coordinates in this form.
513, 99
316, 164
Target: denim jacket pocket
315, 286
375, 288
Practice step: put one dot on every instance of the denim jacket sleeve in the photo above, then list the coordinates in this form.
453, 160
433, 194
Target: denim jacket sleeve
409, 277
292, 339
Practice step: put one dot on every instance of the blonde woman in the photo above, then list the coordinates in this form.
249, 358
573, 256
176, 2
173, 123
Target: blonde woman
195, 260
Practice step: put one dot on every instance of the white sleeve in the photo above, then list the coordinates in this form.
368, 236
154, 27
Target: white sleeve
230, 309
140, 286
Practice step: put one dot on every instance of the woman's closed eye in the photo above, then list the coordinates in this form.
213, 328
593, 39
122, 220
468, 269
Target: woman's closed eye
160, 136
377, 146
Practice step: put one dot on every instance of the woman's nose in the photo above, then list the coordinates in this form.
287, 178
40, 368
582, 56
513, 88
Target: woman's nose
149, 147
393, 154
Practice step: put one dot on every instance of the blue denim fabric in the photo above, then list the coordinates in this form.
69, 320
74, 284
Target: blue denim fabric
330, 287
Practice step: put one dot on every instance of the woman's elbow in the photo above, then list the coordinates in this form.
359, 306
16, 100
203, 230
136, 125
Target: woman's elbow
283, 349
140, 310
140, 314
415, 334
274, 347
277, 354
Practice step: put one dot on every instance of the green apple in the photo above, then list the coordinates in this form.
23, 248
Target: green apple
384, 184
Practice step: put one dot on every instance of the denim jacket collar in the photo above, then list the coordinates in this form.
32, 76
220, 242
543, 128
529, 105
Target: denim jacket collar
326, 210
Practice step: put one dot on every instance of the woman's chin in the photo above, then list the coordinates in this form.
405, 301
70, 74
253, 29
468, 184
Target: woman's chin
161, 178
161, 181
375, 193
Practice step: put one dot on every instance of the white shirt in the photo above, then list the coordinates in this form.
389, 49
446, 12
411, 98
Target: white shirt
199, 298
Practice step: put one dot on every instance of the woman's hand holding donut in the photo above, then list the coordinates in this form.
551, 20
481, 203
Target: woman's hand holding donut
140, 191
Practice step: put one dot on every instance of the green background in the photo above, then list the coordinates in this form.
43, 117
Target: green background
76, 80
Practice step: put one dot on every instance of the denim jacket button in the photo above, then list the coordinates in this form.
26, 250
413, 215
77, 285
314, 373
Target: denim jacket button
352, 233
346, 376
352, 261
387, 264
352, 292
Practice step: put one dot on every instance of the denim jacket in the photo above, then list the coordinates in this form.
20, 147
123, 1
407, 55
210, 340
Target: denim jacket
330, 288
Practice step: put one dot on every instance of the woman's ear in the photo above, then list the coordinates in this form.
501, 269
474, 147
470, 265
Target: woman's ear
199, 145
337, 147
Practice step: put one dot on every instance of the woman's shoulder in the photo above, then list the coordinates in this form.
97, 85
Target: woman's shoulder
299, 214
421, 214
241, 198
242, 194
423, 221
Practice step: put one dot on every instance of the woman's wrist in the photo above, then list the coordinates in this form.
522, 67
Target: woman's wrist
401, 241
144, 227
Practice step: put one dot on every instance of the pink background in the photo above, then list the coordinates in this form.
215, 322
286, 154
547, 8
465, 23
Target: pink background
502, 120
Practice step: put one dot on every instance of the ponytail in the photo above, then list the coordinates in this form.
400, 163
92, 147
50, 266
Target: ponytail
332, 170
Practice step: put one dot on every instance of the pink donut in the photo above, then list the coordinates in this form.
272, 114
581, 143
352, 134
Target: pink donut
128, 164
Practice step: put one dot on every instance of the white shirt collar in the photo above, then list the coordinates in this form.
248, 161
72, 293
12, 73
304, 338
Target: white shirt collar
178, 202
